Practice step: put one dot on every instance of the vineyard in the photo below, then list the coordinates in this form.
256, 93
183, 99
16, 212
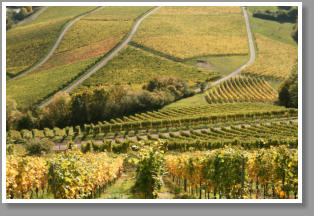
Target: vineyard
76, 54
170, 27
38, 86
94, 35
230, 173
133, 66
161, 103
27, 44
241, 89
227, 172
68, 175
167, 117
266, 64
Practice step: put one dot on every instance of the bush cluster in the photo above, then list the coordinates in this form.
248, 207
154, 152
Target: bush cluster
290, 15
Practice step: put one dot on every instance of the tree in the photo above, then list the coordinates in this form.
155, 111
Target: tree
294, 33
29, 9
27, 121
23, 11
288, 91
12, 113
58, 111
203, 86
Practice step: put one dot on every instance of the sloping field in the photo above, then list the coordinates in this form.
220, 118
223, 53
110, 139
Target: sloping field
94, 35
274, 59
202, 110
36, 87
280, 31
185, 32
240, 89
28, 43
228, 113
83, 45
135, 66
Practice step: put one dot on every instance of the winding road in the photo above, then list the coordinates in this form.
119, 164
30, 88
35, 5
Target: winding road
107, 58
54, 46
252, 54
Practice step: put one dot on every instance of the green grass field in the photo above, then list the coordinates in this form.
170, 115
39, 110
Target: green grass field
272, 29
28, 43
223, 65
134, 66
37, 86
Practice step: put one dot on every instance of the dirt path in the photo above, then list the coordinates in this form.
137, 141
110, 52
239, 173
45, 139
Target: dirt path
37, 65
252, 54
32, 17
107, 58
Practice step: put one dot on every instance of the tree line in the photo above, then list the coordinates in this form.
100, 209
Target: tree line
16, 14
95, 104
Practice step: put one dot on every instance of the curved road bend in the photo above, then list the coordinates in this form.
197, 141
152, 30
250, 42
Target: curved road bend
110, 56
252, 53
54, 46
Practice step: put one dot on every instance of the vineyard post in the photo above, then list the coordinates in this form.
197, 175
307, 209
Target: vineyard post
242, 176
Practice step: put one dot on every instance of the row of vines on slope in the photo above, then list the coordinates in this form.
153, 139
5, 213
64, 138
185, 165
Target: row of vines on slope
231, 173
247, 137
67, 175
241, 89
101, 128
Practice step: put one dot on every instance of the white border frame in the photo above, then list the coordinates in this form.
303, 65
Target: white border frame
300, 105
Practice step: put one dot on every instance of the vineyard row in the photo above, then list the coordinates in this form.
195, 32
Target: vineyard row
100, 128
231, 173
241, 89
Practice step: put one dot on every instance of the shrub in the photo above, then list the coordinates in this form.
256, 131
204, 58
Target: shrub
49, 133
86, 147
26, 134
288, 91
14, 135
70, 145
39, 146
38, 133
10, 149
69, 131
77, 130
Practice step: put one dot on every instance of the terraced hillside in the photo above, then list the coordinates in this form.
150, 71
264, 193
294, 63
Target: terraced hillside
185, 32
241, 89
28, 43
